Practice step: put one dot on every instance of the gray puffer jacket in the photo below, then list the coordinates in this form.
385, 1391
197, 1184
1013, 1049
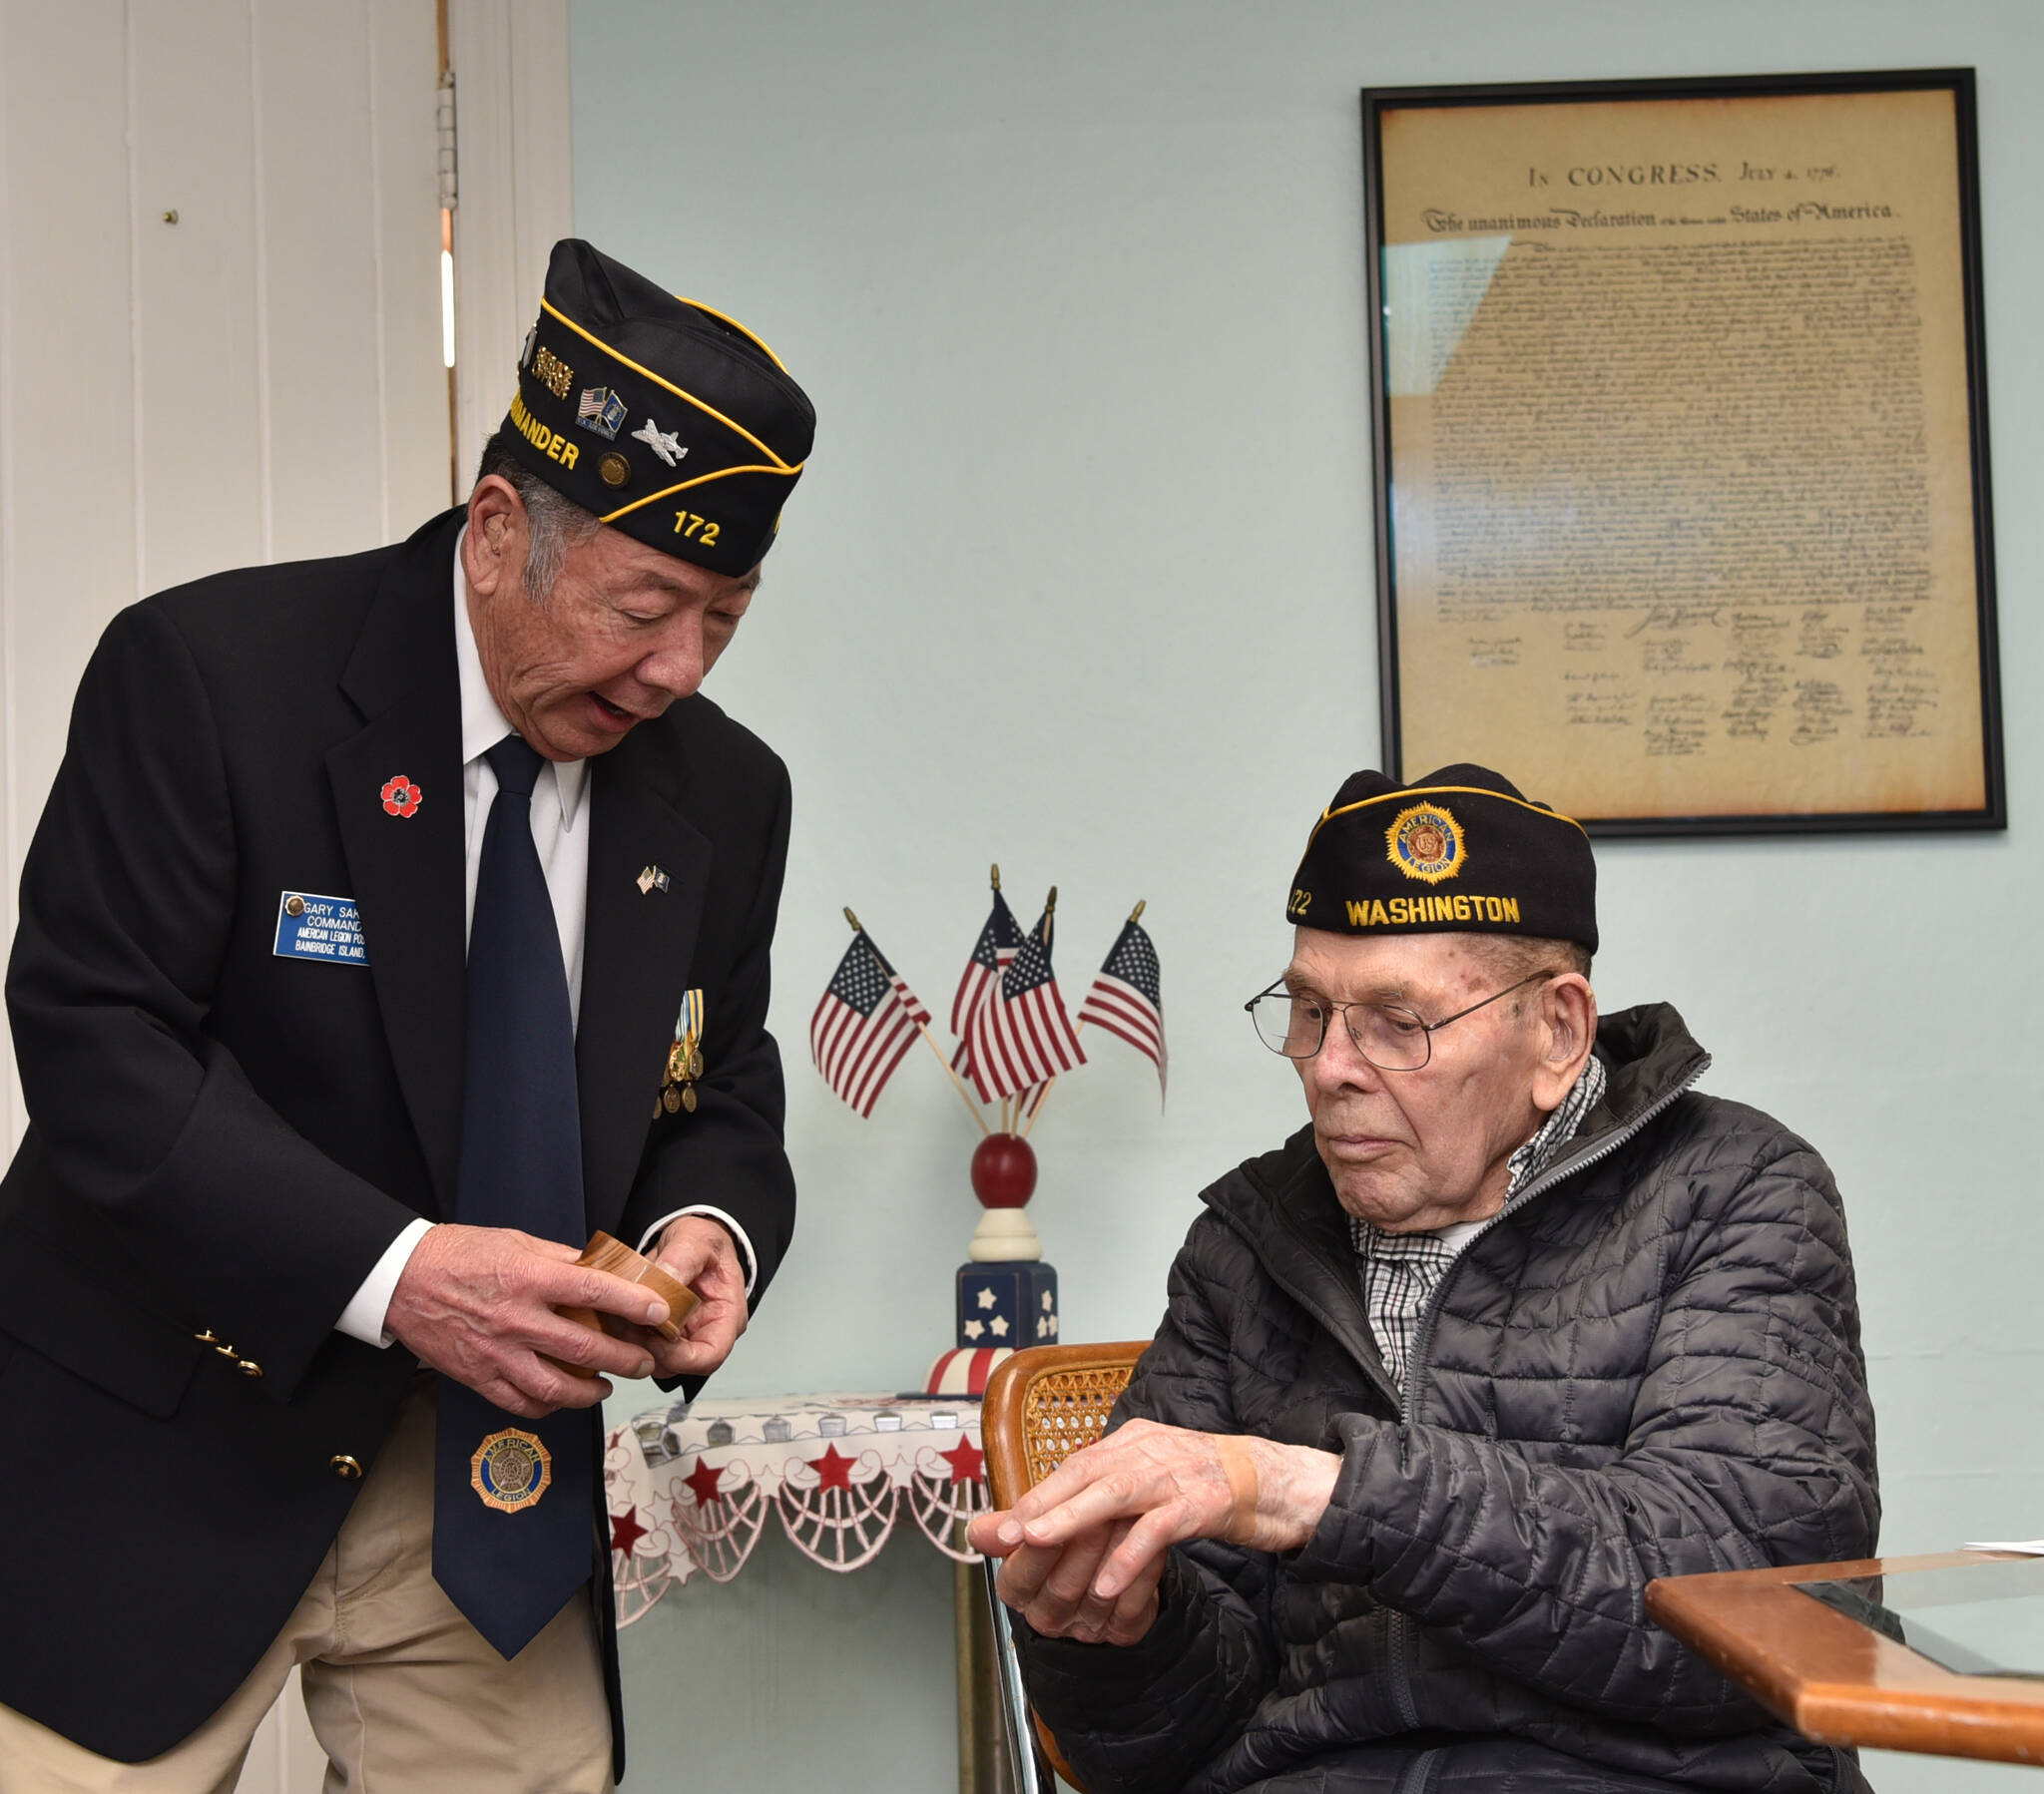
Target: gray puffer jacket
1647, 1364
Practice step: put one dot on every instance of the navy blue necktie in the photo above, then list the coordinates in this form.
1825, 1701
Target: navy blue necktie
509, 1551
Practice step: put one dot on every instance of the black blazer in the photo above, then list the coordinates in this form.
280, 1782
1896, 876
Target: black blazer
222, 1140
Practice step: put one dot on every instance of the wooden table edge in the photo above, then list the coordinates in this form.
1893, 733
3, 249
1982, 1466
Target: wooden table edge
1845, 1683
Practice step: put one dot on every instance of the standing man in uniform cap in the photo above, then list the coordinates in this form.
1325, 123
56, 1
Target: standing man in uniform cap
1519, 1322
394, 922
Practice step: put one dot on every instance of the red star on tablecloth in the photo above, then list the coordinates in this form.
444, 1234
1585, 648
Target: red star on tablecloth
964, 1458
626, 1531
833, 1469
703, 1480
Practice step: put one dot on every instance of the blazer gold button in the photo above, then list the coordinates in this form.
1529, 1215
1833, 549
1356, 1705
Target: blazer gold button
225, 1350
344, 1466
249, 1368
208, 1337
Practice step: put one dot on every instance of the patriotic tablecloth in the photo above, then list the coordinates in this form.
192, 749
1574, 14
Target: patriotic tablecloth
691, 1489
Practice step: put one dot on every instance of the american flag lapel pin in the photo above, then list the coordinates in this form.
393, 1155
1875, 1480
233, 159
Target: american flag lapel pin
651, 879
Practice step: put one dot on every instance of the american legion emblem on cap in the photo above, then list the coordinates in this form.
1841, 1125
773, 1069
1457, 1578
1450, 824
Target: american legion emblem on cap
666, 418
1426, 842
511, 1470
1461, 849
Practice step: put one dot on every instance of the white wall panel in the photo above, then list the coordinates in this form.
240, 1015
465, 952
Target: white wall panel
67, 534
403, 147
260, 380
319, 250
199, 334
510, 62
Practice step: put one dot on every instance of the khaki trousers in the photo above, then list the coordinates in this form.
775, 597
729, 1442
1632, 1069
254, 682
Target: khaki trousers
403, 1693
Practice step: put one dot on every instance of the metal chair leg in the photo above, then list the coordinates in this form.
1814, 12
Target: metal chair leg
1032, 1775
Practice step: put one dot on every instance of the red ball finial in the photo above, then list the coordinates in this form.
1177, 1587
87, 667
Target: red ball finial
1003, 1170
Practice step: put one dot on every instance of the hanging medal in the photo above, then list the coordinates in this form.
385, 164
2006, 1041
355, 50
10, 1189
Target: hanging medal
683, 1060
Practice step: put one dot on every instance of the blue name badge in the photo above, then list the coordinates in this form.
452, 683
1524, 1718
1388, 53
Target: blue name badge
309, 926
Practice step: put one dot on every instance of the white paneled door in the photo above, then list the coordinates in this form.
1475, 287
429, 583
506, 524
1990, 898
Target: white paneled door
220, 343
219, 317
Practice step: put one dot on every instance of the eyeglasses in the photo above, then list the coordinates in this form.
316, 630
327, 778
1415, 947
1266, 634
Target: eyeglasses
1389, 1035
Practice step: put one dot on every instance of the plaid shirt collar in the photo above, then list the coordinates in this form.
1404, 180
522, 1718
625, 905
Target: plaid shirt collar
1558, 1128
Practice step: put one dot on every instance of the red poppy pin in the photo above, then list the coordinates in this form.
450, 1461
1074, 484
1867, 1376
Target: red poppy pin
401, 797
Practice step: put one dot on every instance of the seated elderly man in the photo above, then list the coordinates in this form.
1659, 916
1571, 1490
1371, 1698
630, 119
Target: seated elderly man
1519, 1323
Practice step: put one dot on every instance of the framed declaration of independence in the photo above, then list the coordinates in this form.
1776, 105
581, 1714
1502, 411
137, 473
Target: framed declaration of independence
1680, 426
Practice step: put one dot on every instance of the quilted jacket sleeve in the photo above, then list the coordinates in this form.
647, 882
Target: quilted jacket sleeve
1176, 1698
1751, 1443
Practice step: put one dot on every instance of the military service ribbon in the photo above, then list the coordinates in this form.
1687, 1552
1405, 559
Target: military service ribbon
683, 1060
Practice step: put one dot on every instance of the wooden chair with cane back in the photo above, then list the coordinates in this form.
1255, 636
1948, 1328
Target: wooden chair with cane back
1041, 1405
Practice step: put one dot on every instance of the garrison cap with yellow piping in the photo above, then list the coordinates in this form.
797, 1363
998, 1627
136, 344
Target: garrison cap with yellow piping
666, 418
1458, 850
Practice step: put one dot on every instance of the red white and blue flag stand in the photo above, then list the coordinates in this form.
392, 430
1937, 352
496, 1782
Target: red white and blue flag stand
1016, 1039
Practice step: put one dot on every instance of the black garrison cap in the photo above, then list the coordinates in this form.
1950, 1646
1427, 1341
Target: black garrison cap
666, 418
1458, 850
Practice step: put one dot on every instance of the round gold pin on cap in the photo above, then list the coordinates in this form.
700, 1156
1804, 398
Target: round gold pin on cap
613, 469
294, 906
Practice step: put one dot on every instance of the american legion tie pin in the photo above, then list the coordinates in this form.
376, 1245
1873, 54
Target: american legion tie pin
511, 1470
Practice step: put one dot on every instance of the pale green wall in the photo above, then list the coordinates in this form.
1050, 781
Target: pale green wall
1080, 580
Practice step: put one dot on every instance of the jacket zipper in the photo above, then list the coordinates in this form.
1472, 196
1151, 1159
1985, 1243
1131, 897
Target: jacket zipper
1423, 1341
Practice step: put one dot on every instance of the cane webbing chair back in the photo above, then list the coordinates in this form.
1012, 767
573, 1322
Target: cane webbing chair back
1040, 1407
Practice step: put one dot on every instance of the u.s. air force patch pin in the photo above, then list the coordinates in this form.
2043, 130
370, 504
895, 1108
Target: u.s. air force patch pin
511, 1470
1425, 842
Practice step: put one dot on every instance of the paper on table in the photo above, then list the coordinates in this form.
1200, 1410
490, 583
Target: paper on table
2029, 1548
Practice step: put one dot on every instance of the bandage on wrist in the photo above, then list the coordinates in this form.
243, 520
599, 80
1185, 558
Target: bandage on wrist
1237, 1461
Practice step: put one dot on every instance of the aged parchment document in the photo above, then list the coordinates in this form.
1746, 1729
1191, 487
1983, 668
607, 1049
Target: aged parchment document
1681, 486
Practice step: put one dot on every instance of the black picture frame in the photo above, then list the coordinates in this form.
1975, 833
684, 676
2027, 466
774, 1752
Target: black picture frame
1381, 104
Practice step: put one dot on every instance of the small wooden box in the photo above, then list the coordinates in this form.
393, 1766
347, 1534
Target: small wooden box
604, 1253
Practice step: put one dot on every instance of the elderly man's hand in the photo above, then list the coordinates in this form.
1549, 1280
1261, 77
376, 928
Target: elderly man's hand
1052, 1586
696, 1250
1085, 1547
478, 1305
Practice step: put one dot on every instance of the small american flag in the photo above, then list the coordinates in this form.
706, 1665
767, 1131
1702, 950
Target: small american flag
863, 1024
997, 944
1020, 1035
1127, 997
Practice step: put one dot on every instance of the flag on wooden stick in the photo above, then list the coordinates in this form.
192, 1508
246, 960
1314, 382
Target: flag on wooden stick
867, 1019
1020, 1033
999, 940
1127, 996
997, 945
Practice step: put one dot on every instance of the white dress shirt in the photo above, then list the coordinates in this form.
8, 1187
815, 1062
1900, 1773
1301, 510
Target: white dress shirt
560, 830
